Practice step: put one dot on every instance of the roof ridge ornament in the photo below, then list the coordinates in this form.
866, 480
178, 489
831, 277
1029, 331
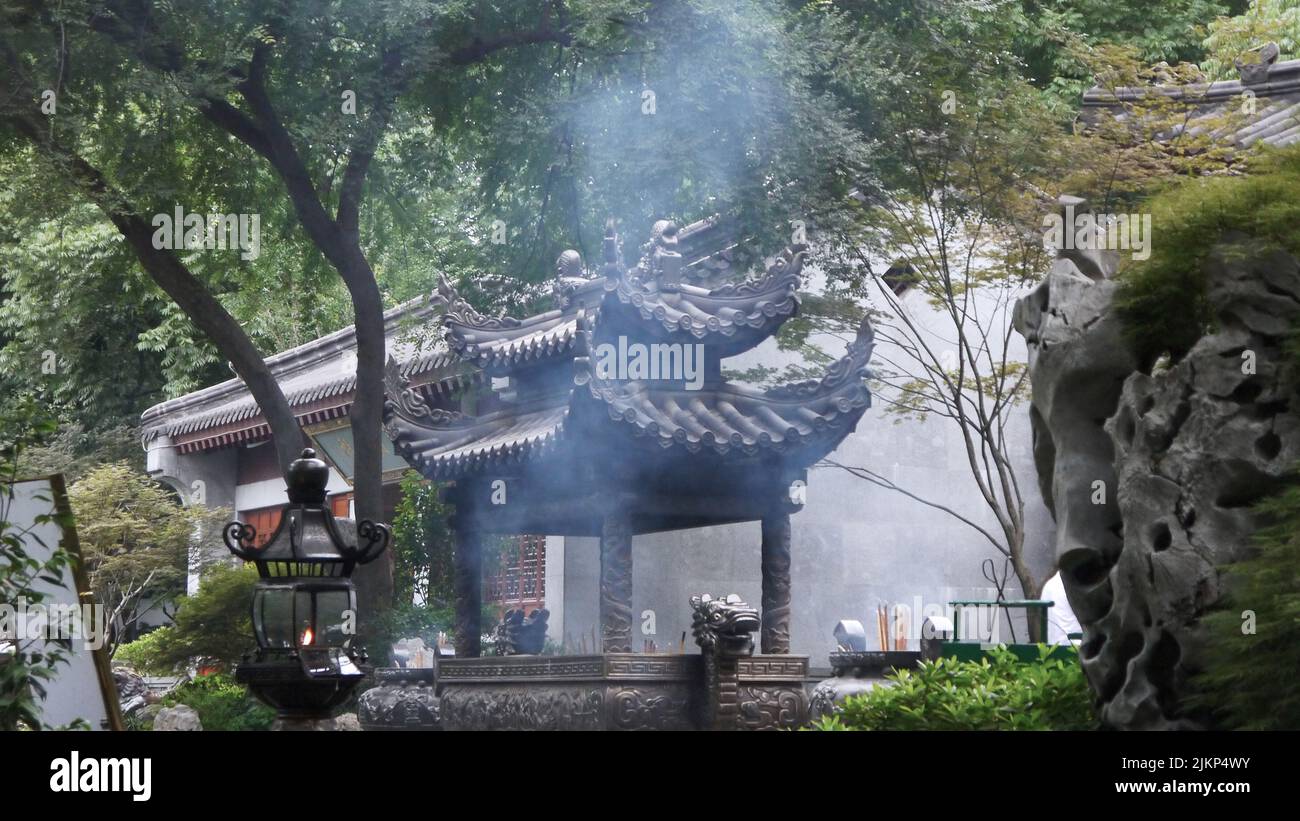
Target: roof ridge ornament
1256, 72
852, 364
662, 255
612, 250
785, 271
402, 400
456, 310
570, 275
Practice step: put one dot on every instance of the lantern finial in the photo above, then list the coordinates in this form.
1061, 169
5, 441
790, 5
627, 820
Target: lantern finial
307, 479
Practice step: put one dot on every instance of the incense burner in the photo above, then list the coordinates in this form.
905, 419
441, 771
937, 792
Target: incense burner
614, 691
856, 673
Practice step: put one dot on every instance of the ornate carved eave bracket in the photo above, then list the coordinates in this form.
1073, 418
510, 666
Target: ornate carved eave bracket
461, 319
444, 444
849, 371
501, 342
401, 401
455, 310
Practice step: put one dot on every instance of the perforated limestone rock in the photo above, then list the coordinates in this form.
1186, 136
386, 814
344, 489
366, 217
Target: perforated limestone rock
1152, 477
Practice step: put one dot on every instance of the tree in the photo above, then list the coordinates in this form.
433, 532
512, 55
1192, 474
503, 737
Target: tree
1231, 39
422, 546
377, 147
938, 241
136, 538
1170, 31
212, 627
945, 231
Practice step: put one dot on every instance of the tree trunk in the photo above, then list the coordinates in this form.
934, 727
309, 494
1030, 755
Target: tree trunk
375, 581
1028, 586
187, 291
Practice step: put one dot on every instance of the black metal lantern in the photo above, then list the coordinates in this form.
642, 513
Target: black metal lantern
304, 605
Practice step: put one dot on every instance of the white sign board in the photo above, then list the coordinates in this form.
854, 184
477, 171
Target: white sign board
82, 687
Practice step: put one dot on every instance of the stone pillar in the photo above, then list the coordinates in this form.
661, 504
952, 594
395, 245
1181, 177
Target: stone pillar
616, 583
775, 634
468, 568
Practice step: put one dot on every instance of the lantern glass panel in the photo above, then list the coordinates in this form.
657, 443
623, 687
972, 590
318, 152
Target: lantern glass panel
273, 618
304, 617
334, 618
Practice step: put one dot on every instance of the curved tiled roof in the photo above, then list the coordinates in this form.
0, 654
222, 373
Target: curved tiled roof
736, 316
443, 444
650, 303
727, 418
1263, 106
498, 342
800, 422
315, 378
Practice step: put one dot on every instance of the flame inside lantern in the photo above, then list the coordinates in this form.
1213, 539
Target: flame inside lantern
307, 636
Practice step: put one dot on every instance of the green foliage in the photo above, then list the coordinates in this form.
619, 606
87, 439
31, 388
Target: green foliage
1144, 147
996, 693
1233, 38
422, 569
213, 626
145, 653
1251, 657
135, 539
73, 310
222, 703
422, 544
74, 450
1169, 31
1163, 300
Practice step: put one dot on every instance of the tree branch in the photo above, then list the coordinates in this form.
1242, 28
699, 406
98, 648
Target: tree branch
171, 275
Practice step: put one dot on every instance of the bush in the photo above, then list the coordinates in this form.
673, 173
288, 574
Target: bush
222, 704
144, 654
1163, 300
214, 626
995, 693
1253, 639
1249, 677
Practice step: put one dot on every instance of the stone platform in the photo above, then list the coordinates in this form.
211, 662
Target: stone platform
613, 691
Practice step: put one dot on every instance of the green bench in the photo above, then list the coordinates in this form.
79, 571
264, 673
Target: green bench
972, 651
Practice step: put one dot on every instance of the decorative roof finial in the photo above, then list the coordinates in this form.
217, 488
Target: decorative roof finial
1256, 71
665, 260
307, 479
612, 251
569, 264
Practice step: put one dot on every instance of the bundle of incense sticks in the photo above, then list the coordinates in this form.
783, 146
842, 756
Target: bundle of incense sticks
882, 625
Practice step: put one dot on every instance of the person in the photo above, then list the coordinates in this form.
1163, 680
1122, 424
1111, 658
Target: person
1061, 622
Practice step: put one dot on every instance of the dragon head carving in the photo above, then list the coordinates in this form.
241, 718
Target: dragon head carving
724, 626
520, 635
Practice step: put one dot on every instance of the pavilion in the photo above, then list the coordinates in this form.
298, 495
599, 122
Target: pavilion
564, 445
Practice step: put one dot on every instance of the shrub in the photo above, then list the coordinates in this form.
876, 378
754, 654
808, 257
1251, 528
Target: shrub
222, 704
1249, 677
144, 654
995, 693
1163, 300
214, 626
